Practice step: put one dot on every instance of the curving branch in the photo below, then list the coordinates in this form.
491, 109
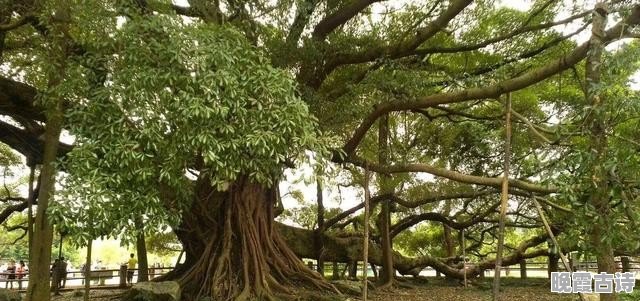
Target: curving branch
410, 221
7, 211
406, 203
452, 175
23, 20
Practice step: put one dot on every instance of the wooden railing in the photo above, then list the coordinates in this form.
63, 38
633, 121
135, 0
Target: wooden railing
624, 265
100, 278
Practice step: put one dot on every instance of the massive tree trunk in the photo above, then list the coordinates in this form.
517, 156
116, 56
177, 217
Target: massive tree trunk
233, 251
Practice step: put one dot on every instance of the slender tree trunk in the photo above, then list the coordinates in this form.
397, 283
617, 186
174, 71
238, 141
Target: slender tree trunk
233, 252
504, 199
352, 272
39, 286
386, 277
374, 269
5, 16
141, 250
320, 229
87, 272
447, 239
463, 246
365, 240
553, 264
449, 246
30, 200
599, 195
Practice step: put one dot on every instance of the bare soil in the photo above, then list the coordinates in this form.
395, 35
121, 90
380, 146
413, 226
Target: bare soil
431, 289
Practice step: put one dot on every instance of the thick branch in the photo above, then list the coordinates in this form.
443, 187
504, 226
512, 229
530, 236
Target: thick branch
18, 100
27, 143
7, 211
332, 21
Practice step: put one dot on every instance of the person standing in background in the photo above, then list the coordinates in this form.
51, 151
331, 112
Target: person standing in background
11, 273
21, 270
62, 270
131, 266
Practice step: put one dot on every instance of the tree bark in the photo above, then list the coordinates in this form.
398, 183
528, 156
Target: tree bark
39, 286
141, 250
320, 230
504, 199
30, 200
365, 240
553, 264
449, 246
387, 274
335, 274
234, 253
87, 272
599, 195
523, 269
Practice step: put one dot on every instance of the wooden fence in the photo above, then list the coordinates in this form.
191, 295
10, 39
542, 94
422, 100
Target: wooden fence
100, 278
520, 269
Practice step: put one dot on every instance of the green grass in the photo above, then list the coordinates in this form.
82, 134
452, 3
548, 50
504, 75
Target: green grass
635, 296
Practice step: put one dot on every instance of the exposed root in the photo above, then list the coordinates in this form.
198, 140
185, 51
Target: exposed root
244, 259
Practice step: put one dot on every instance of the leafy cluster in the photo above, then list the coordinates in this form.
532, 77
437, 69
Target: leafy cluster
177, 102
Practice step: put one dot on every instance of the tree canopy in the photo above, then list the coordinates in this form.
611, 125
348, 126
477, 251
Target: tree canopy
185, 115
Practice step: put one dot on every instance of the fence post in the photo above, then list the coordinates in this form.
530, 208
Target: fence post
572, 264
523, 269
626, 264
353, 270
335, 274
123, 275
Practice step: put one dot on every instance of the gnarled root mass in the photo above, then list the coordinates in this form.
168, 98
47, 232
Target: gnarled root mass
239, 255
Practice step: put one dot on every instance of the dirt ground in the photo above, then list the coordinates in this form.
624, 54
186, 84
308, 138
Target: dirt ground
434, 290
438, 289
